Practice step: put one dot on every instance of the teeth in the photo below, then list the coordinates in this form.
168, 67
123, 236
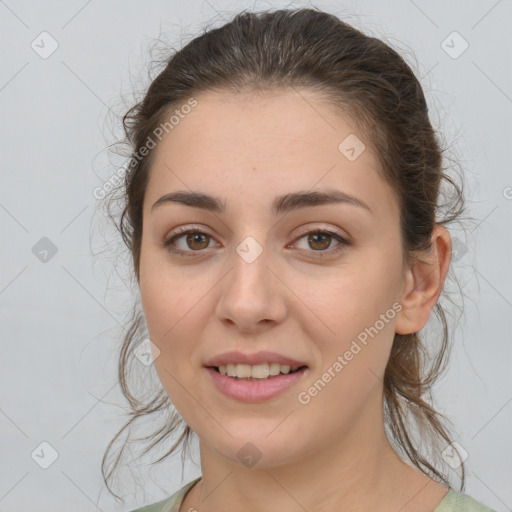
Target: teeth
257, 371
276, 369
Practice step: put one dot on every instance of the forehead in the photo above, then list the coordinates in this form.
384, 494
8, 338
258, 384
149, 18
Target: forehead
265, 143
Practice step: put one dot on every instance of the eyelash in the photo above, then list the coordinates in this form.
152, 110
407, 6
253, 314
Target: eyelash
320, 253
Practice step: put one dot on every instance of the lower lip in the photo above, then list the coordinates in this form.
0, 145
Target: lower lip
253, 390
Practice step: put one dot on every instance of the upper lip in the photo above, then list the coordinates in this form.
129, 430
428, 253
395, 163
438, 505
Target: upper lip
252, 359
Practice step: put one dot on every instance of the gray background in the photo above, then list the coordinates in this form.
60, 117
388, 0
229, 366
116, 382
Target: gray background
61, 317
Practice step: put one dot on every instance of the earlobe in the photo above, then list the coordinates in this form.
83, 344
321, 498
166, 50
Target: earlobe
424, 283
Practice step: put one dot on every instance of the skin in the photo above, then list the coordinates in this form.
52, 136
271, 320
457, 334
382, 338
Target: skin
247, 149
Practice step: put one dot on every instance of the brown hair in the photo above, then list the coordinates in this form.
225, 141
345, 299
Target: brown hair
359, 75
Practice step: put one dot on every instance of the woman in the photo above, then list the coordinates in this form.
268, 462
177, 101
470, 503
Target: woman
281, 209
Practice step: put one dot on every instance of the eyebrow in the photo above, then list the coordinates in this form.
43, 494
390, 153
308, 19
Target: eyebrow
281, 204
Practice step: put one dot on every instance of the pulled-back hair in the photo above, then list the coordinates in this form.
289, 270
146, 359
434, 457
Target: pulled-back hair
360, 76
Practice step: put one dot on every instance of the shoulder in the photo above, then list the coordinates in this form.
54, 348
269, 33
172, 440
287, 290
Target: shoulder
171, 504
458, 502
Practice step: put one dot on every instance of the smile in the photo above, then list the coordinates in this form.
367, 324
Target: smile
258, 371
250, 389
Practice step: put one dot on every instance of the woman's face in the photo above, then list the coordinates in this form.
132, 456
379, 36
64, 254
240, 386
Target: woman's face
260, 278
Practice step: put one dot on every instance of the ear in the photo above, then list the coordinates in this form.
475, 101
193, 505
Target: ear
424, 283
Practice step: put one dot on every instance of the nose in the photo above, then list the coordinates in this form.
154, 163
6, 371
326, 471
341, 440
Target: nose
252, 296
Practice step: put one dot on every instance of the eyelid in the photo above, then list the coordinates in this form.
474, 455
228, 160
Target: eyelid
181, 231
308, 228
343, 242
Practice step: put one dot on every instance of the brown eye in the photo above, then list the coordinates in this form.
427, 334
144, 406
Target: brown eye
196, 241
192, 240
319, 241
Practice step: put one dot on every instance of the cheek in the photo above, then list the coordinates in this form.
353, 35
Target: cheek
169, 313
159, 305
164, 293
352, 361
342, 303
354, 319
174, 305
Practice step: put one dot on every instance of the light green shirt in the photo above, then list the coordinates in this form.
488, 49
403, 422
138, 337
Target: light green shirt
453, 502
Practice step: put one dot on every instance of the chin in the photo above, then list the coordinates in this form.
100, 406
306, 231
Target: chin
258, 451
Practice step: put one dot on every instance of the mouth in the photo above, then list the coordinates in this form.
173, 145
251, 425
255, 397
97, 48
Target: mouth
239, 386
